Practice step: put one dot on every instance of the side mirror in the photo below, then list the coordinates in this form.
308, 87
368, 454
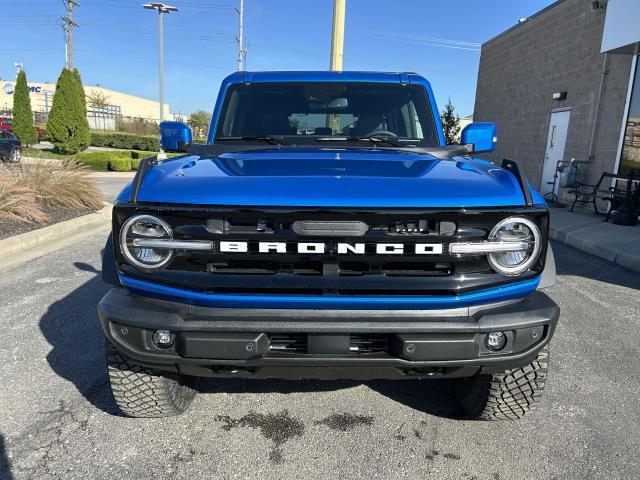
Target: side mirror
480, 137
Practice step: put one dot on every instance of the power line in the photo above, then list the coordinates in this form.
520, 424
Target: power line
190, 8
208, 37
146, 60
424, 40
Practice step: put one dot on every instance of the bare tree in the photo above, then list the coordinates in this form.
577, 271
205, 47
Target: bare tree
97, 100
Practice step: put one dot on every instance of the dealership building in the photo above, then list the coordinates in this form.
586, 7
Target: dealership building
565, 84
115, 104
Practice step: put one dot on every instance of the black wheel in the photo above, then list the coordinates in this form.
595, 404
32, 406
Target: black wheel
506, 395
15, 155
145, 392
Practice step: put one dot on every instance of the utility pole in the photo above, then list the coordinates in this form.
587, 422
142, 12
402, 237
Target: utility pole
337, 35
162, 9
67, 26
242, 51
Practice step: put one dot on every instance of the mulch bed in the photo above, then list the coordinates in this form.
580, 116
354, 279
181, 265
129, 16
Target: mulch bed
9, 228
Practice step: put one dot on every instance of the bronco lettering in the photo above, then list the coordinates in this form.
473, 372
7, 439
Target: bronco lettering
340, 248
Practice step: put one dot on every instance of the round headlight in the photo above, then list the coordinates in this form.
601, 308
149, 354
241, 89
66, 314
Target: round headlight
145, 227
515, 230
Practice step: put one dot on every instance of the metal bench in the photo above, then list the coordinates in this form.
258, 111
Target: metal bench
625, 192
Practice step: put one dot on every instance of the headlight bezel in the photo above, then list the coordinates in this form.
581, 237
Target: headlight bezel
130, 257
533, 257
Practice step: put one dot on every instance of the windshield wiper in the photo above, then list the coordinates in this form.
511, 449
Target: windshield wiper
264, 138
369, 138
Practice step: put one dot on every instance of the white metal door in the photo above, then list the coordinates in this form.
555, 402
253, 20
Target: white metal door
556, 139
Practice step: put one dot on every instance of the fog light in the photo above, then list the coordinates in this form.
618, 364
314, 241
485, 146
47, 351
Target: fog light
162, 338
495, 341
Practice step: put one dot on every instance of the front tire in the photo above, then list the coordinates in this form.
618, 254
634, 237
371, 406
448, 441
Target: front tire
146, 392
508, 395
15, 155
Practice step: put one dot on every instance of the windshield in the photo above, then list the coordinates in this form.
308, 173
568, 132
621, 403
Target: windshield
307, 113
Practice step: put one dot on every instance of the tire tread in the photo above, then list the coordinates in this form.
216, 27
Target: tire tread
508, 395
145, 392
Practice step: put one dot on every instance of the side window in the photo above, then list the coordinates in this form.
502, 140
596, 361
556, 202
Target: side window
2, 135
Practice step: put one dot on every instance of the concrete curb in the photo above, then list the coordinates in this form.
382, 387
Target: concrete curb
30, 245
613, 243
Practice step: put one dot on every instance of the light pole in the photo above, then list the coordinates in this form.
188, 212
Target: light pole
337, 47
337, 35
161, 8
46, 103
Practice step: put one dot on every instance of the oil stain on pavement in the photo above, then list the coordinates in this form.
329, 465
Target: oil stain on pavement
277, 427
345, 421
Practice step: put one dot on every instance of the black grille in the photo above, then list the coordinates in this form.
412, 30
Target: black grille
362, 343
330, 273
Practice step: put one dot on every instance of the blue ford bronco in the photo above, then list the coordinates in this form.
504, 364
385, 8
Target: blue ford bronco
327, 231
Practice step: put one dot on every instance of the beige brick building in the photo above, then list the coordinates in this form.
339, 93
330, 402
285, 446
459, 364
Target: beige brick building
121, 104
565, 83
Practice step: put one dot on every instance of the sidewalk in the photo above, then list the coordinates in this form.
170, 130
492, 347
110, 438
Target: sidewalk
588, 232
110, 183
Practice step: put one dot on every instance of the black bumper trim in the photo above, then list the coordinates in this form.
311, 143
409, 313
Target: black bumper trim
138, 315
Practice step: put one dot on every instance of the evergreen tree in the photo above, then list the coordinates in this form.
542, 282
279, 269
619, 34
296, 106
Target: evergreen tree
22, 114
83, 133
67, 125
450, 124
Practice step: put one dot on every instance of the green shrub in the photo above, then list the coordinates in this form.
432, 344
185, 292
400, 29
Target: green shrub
116, 160
67, 124
97, 160
22, 114
120, 164
125, 141
95, 163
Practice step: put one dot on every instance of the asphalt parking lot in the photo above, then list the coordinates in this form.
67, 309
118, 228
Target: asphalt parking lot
57, 419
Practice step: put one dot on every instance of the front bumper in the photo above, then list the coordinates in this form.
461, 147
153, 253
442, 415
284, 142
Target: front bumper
411, 343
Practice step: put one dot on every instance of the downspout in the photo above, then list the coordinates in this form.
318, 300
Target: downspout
596, 113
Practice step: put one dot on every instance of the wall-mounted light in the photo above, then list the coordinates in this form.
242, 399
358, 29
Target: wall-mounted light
560, 96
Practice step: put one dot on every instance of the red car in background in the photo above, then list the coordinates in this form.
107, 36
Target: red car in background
6, 123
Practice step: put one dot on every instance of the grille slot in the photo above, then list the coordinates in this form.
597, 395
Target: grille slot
416, 269
246, 267
421, 227
369, 343
289, 343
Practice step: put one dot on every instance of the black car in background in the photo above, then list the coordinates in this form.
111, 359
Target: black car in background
10, 147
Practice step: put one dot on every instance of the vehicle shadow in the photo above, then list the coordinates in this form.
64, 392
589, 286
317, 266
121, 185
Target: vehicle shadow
5, 466
433, 397
242, 385
72, 328
570, 261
